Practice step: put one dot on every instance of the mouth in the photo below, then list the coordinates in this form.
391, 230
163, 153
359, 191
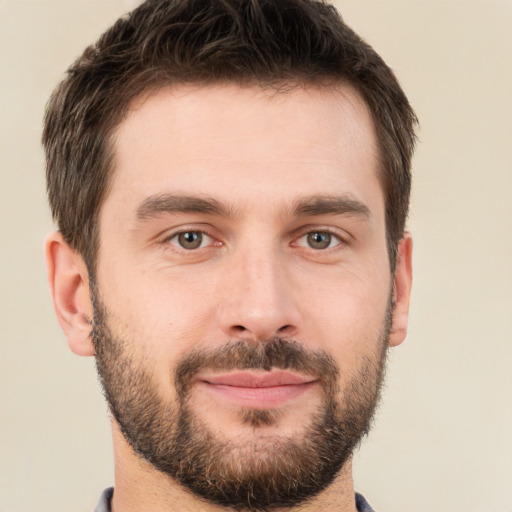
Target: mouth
257, 390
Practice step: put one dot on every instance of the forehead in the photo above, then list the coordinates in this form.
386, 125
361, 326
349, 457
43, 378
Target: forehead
242, 143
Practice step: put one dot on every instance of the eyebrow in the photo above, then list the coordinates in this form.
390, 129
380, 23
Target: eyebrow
328, 205
308, 206
171, 203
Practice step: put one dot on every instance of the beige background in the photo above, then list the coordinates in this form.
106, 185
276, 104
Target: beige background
443, 437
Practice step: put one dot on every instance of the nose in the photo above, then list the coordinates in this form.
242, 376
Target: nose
259, 299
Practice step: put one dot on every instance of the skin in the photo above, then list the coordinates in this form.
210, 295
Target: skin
259, 155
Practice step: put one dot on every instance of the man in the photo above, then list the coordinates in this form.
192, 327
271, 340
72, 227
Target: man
231, 181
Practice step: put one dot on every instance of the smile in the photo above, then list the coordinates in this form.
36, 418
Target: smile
257, 390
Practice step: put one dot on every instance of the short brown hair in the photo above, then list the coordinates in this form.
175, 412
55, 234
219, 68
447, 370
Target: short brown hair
269, 43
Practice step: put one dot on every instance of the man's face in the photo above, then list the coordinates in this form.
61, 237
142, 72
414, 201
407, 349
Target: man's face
243, 289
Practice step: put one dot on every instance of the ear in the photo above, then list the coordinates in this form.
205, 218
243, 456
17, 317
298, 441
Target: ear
402, 291
69, 286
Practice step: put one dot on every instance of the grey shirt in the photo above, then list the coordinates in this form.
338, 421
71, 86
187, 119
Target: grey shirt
104, 503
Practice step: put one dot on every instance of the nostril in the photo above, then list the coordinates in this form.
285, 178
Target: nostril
259, 332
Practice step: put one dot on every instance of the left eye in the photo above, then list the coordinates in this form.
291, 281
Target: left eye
190, 240
319, 240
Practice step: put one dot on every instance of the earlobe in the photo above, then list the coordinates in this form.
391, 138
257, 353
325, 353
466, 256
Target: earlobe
402, 291
69, 286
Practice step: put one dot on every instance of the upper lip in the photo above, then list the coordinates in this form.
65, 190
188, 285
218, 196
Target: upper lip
253, 379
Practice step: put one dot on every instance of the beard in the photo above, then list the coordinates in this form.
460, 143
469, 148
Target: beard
267, 472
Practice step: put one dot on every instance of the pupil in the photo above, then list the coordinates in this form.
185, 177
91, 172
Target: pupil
319, 240
190, 240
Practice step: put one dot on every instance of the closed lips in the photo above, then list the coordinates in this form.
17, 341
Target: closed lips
257, 390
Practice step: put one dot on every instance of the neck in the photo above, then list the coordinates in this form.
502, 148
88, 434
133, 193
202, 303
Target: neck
139, 486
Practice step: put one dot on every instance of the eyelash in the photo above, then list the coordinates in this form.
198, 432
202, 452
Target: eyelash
333, 236
168, 240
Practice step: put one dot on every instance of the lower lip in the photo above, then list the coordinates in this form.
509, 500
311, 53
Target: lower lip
259, 397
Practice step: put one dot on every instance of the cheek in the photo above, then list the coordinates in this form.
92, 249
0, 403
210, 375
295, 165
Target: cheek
349, 313
160, 316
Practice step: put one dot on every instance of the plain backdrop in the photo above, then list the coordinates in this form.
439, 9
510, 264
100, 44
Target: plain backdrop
443, 436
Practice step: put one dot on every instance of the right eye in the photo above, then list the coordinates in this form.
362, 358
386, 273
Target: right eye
190, 240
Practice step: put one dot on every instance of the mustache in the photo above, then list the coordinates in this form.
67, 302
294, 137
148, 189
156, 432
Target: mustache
279, 353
